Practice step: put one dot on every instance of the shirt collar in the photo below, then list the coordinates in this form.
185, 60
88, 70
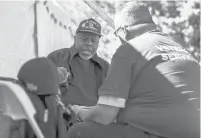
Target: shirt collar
95, 58
140, 29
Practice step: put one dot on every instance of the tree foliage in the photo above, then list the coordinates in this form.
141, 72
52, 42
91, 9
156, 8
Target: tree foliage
179, 19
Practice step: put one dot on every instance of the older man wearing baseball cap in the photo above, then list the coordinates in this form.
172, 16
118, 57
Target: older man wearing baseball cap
81, 70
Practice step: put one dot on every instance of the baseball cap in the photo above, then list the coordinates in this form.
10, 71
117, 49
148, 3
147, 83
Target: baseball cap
42, 73
89, 25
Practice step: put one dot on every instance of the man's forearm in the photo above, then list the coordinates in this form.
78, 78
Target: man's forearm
90, 115
86, 107
97, 114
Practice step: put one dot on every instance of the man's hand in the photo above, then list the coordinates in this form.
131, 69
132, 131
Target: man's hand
102, 114
63, 74
76, 109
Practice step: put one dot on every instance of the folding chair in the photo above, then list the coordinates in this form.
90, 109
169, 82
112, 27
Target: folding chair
15, 103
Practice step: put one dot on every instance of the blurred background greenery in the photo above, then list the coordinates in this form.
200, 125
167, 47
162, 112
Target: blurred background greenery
179, 19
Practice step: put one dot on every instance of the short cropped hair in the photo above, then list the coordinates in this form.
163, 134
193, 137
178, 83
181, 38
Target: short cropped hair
134, 12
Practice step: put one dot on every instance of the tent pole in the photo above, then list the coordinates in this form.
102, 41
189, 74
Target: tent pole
35, 33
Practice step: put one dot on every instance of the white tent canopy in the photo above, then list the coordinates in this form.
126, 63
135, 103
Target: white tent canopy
16, 42
17, 30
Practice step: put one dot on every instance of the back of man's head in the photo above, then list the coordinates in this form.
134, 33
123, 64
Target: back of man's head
132, 13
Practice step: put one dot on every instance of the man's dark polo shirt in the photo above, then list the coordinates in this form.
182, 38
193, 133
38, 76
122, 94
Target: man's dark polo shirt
85, 77
160, 82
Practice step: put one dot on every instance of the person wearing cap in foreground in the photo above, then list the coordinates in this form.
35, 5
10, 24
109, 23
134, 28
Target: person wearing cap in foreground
152, 89
39, 77
81, 70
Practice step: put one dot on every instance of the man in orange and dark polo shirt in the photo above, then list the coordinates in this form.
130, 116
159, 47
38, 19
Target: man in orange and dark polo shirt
152, 89
85, 69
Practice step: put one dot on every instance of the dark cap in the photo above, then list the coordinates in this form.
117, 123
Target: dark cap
42, 73
89, 25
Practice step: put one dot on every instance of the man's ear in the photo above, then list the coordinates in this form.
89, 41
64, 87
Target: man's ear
127, 34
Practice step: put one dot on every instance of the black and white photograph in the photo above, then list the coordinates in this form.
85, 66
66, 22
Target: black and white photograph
100, 68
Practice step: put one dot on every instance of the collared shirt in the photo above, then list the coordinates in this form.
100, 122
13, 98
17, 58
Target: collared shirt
157, 82
85, 77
